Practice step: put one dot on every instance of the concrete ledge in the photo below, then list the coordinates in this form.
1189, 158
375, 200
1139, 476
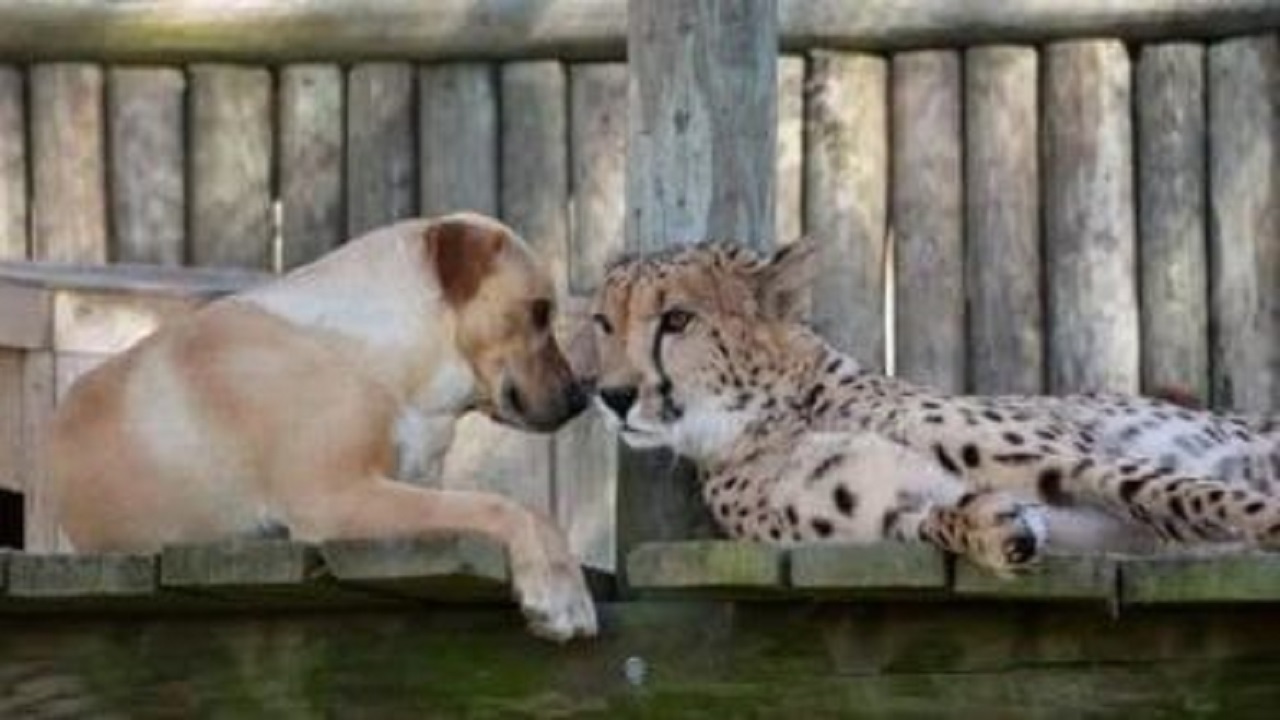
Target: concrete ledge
867, 569
706, 565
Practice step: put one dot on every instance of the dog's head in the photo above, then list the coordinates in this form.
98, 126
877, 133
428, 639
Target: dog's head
503, 304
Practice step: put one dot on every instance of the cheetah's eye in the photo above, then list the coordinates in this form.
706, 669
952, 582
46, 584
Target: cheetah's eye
675, 320
603, 323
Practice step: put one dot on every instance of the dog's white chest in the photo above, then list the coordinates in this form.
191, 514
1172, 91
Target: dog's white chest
421, 442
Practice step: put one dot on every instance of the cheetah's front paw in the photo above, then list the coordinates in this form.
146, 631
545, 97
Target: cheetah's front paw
1006, 536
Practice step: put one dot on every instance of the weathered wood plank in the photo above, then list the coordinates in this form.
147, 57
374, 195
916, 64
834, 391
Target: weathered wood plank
535, 160
81, 577
846, 193
586, 459
660, 659
859, 570
939, 23
706, 565
39, 512
458, 138
382, 156
1002, 221
788, 184
231, 221
69, 207
1227, 579
1089, 219
598, 151
1170, 112
701, 143
13, 164
355, 30
146, 122
26, 320
195, 282
450, 567
11, 396
240, 563
1244, 221
254, 573
1055, 579
928, 219
311, 110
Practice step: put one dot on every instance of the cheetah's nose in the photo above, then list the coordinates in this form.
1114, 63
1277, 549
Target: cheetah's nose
619, 399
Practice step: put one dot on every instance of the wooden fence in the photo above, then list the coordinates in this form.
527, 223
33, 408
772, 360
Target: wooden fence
1043, 206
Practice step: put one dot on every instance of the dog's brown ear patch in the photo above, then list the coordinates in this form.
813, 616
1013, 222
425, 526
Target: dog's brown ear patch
462, 254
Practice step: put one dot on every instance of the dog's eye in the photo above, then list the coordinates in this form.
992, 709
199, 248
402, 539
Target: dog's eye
675, 320
603, 323
540, 314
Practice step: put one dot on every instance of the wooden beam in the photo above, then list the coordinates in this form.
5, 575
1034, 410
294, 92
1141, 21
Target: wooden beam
382, 160
713, 565
701, 142
1002, 220
840, 570
1244, 221
311, 105
1170, 116
928, 219
846, 199
69, 206
211, 30
13, 164
1089, 218
231, 220
146, 124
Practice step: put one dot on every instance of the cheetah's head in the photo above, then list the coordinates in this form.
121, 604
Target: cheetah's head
671, 333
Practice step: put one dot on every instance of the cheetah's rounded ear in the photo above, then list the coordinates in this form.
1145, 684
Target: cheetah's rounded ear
782, 284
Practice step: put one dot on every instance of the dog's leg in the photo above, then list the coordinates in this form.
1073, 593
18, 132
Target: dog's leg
548, 580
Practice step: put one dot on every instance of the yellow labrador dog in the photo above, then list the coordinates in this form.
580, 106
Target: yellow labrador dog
282, 406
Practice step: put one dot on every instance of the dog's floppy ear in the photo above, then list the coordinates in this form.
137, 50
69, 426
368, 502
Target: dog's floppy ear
782, 284
461, 255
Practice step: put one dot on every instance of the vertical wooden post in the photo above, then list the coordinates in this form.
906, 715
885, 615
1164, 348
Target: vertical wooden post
69, 194
146, 121
1002, 220
846, 169
928, 219
382, 157
1171, 212
310, 135
586, 465
1090, 243
231, 159
700, 163
789, 181
1244, 221
13, 165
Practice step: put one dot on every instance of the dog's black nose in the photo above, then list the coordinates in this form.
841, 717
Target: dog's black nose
576, 398
619, 399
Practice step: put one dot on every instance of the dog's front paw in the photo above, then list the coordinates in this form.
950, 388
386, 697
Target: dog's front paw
555, 601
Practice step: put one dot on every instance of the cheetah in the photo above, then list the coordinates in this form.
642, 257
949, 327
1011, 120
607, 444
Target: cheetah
702, 350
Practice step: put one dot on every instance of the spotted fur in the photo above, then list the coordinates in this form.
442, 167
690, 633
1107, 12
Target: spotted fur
800, 443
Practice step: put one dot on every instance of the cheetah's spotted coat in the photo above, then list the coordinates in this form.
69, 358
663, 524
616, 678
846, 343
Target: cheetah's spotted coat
698, 349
